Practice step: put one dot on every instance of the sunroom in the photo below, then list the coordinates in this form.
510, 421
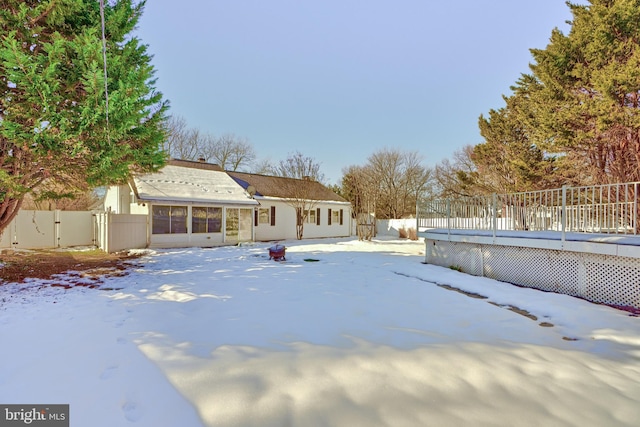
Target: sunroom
187, 204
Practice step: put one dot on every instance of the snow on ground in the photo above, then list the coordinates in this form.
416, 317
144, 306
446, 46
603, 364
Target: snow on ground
363, 335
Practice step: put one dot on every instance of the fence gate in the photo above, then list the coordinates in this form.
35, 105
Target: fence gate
32, 229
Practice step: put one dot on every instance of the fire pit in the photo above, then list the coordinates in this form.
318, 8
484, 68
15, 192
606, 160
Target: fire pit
276, 252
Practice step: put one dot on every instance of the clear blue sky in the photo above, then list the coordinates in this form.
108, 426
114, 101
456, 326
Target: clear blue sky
341, 79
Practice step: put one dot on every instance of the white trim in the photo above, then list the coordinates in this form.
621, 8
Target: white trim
198, 202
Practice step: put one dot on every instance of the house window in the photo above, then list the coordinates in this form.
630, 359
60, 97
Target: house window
335, 217
264, 216
206, 220
311, 216
169, 219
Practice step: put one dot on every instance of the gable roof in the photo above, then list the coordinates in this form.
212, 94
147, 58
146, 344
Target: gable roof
190, 184
275, 186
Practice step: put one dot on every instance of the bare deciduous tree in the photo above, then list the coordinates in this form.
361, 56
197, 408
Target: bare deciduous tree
401, 179
263, 167
299, 166
305, 176
361, 188
182, 142
460, 177
229, 151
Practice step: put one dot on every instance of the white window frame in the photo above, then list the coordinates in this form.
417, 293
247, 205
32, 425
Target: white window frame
335, 217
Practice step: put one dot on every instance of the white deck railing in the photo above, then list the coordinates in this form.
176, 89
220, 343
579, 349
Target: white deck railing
611, 209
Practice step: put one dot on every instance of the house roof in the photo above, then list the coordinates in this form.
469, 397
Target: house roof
275, 186
194, 164
190, 184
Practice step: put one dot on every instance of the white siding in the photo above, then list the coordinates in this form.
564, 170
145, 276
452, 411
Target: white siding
117, 199
285, 223
324, 229
283, 217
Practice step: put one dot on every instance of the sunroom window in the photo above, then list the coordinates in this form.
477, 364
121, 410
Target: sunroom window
169, 219
206, 220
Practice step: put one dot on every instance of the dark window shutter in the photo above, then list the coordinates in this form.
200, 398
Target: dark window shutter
318, 216
340, 216
255, 217
329, 217
298, 216
273, 215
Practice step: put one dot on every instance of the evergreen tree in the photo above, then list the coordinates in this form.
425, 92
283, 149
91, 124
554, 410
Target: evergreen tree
55, 134
575, 119
508, 161
588, 93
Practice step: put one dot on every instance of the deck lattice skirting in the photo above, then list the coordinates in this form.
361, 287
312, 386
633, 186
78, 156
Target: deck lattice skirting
601, 269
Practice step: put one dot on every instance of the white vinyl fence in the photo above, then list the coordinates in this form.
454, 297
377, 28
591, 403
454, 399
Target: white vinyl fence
49, 229
396, 227
65, 229
118, 232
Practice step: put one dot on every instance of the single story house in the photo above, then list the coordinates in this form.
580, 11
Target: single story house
328, 214
193, 203
187, 204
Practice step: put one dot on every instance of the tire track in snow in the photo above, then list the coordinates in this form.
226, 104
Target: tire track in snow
474, 295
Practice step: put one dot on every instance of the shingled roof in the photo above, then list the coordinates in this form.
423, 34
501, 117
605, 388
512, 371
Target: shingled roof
275, 186
176, 182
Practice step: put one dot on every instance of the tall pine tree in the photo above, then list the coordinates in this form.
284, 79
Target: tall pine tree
508, 161
54, 132
581, 102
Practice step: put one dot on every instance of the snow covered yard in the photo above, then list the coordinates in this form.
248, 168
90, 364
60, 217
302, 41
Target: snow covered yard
342, 333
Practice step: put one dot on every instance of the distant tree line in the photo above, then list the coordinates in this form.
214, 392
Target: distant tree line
388, 185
